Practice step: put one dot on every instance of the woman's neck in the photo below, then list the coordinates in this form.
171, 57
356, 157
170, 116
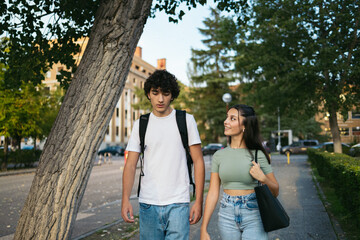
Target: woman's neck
237, 142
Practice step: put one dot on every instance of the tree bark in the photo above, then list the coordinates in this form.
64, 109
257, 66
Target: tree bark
335, 130
55, 195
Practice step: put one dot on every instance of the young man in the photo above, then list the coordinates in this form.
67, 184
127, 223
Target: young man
164, 193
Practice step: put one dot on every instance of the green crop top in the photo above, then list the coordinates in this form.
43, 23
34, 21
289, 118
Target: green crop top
233, 166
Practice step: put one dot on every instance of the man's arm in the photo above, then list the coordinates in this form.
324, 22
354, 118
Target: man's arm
199, 173
127, 184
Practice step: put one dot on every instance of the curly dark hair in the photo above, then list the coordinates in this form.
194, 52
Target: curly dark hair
164, 80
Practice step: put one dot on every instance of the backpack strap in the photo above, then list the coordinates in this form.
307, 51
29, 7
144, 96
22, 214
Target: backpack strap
144, 119
181, 123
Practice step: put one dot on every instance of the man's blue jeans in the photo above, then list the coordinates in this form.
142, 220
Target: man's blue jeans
164, 222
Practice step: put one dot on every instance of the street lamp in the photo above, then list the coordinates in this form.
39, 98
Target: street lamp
227, 98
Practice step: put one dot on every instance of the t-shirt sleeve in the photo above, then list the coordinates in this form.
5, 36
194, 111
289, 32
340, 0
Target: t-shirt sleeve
264, 164
193, 133
134, 140
215, 162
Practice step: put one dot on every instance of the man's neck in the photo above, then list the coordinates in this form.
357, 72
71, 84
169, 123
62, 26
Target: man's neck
164, 113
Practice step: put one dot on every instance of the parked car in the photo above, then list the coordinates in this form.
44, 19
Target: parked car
299, 147
27, 147
211, 148
329, 147
354, 151
113, 150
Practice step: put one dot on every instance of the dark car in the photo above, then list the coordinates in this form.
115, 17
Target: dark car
355, 150
329, 147
211, 148
299, 147
113, 150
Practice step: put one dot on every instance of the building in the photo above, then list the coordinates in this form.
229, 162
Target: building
124, 115
349, 129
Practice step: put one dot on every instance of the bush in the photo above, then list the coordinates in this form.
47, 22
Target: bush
22, 158
342, 172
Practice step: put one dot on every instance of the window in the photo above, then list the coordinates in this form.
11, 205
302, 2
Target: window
107, 131
134, 97
356, 131
126, 114
117, 131
344, 131
126, 132
355, 114
137, 67
48, 74
59, 69
134, 80
117, 112
134, 116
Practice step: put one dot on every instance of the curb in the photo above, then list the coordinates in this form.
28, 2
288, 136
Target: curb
17, 172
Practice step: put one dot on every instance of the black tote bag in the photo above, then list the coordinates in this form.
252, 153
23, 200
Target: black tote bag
273, 215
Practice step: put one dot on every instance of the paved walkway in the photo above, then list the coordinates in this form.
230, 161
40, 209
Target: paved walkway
298, 194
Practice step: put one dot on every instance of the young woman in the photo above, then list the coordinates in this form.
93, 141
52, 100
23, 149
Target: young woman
235, 169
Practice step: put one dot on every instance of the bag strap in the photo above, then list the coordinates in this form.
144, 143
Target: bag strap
256, 160
181, 123
144, 119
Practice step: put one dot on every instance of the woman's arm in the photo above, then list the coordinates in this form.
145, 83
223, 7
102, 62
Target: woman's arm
210, 204
268, 179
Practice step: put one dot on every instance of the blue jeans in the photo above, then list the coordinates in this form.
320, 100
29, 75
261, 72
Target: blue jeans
239, 218
164, 222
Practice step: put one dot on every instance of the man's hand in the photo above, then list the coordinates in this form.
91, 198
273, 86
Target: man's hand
195, 213
127, 211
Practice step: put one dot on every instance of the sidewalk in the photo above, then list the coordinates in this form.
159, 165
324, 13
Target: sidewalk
298, 194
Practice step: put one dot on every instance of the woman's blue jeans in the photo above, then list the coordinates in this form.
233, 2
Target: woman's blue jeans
168, 222
239, 218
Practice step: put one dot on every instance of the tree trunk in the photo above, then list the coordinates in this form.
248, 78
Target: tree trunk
65, 164
6, 153
335, 130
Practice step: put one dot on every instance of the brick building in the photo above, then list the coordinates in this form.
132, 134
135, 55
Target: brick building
124, 115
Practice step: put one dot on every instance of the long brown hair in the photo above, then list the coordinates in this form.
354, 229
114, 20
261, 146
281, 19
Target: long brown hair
251, 135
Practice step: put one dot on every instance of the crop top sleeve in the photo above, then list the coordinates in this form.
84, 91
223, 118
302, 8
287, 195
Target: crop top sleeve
233, 166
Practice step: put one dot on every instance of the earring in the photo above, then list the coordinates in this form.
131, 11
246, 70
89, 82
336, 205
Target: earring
243, 129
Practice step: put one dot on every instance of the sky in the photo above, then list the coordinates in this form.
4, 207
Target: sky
162, 39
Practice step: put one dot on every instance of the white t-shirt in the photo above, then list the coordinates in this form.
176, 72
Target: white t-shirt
166, 179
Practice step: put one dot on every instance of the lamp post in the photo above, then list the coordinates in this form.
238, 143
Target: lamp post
227, 98
278, 147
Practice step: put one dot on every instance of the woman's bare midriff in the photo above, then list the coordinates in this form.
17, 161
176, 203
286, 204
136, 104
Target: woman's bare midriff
234, 192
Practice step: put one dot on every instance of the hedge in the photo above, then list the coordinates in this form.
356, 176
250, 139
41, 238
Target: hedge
342, 172
21, 158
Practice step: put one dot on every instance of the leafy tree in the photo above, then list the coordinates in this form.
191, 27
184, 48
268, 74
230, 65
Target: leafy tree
26, 112
96, 86
303, 56
211, 76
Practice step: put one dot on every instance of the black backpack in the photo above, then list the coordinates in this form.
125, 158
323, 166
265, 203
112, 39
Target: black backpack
181, 123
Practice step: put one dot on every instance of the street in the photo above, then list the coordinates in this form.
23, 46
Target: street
103, 188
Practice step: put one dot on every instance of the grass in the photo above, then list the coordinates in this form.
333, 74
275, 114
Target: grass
336, 210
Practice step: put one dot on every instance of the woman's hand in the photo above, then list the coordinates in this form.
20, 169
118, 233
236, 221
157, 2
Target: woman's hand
204, 235
257, 173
